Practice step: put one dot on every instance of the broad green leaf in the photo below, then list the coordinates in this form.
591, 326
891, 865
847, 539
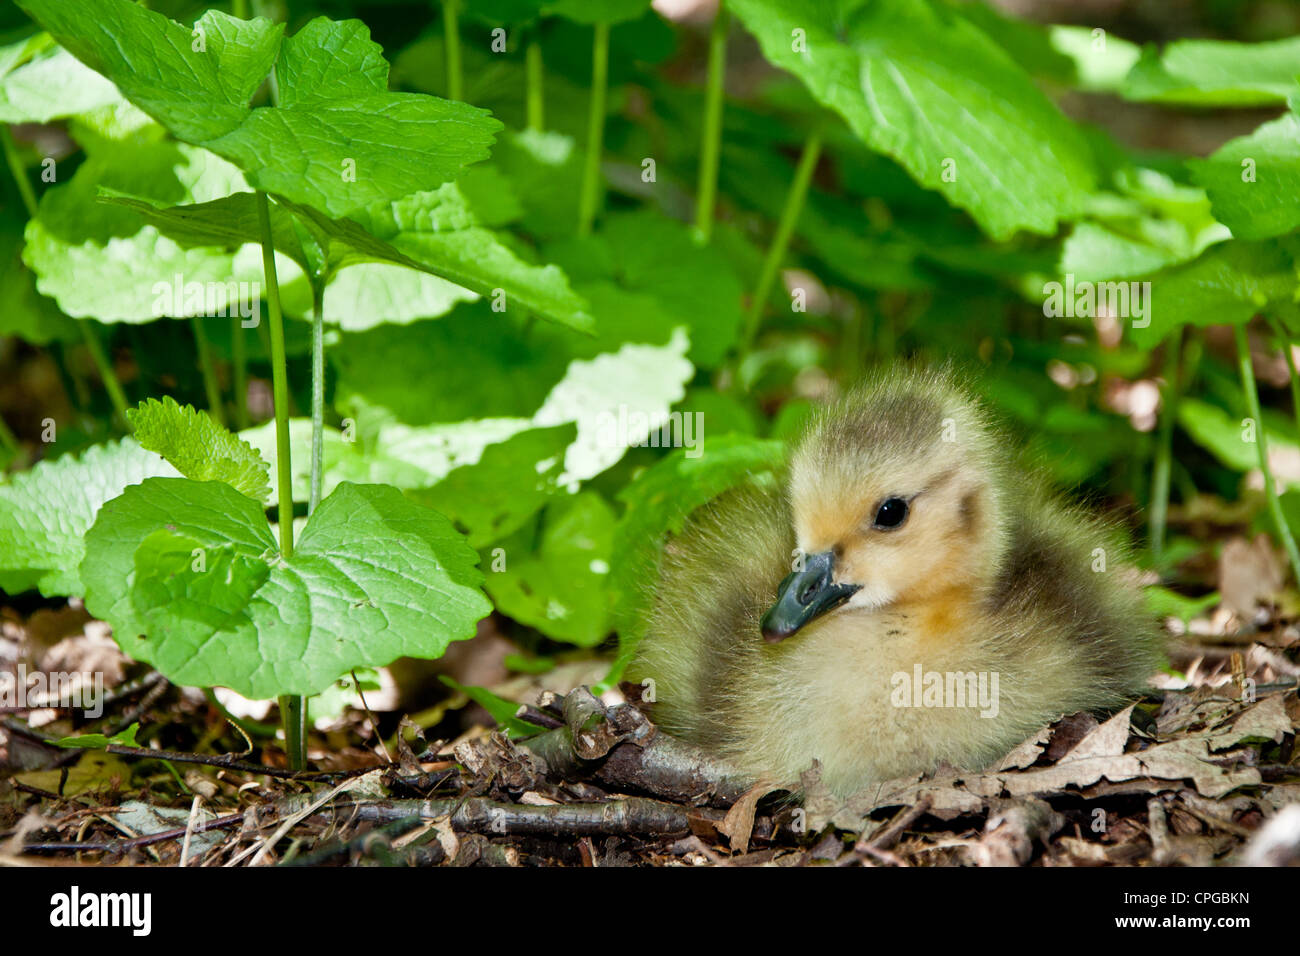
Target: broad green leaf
620, 400
103, 260
645, 276
512, 479
502, 711
660, 501
922, 84
457, 361
49, 86
189, 576
27, 314
407, 457
442, 232
1254, 181
45, 512
1226, 285
1102, 61
1207, 73
561, 589
196, 446
338, 140
1232, 441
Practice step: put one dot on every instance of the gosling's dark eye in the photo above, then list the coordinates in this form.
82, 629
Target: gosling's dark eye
892, 513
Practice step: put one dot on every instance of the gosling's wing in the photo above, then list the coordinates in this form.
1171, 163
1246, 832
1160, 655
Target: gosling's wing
1068, 600
715, 580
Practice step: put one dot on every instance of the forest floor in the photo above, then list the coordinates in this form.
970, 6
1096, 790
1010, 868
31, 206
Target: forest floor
1188, 775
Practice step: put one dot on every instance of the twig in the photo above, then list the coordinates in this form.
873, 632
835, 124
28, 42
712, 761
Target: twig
620, 816
888, 836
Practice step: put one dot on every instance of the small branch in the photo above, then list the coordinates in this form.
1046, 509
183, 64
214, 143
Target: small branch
637, 815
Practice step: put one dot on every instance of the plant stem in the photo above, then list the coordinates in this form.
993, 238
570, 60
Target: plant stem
293, 708
781, 240
451, 45
589, 197
210, 386
9, 440
711, 142
239, 8
1261, 444
293, 717
279, 380
19, 173
105, 368
1159, 510
239, 371
1284, 342
317, 395
535, 102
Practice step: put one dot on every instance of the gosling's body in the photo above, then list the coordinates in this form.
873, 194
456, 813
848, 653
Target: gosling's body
988, 574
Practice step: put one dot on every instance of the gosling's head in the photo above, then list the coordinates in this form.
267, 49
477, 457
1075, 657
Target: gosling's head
896, 493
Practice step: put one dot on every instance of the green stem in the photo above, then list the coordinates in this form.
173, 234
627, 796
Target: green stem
293, 717
451, 43
1261, 444
781, 241
239, 371
209, 371
105, 368
1284, 342
239, 8
535, 102
279, 380
711, 143
317, 395
293, 708
9, 440
589, 197
1159, 511
19, 172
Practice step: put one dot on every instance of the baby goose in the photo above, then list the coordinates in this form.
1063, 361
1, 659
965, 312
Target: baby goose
921, 550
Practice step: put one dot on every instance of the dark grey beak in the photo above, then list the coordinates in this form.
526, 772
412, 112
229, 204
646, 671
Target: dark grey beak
804, 596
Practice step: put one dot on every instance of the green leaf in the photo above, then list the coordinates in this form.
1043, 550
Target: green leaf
104, 261
1206, 73
196, 446
493, 497
188, 575
45, 512
660, 501
442, 232
123, 738
1226, 285
645, 276
1254, 181
1163, 603
338, 140
920, 83
501, 710
1230, 439
561, 588
51, 85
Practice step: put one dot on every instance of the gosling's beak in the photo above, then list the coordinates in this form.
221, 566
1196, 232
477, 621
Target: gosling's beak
803, 596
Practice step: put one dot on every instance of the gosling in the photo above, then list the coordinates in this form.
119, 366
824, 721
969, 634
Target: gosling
915, 597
